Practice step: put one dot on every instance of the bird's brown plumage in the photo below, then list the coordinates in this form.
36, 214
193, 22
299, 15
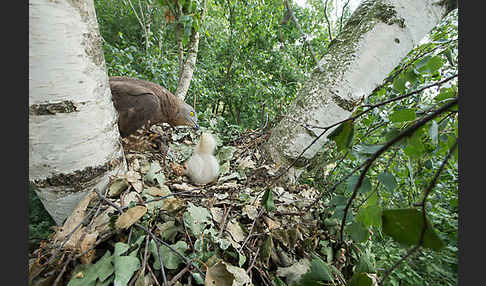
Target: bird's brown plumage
139, 102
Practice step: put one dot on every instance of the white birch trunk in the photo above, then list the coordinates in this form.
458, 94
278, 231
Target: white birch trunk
74, 143
379, 34
188, 67
185, 74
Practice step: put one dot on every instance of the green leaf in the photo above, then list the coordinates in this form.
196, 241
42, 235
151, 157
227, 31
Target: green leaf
402, 115
411, 76
415, 149
197, 218
338, 200
445, 93
170, 259
267, 200
104, 266
319, 271
365, 264
434, 64
225, 153
120, 248
87, 278
370, 216
343, 135
106, 282
399, 83
198, 278
353, 180
155, 174
241, 259
360, 279
405, 226
125, 266
388, 180
429, 64
266, 250
358, 231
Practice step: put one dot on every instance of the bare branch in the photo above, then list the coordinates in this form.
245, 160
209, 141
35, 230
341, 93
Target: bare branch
427, 191
405, 133
287, 5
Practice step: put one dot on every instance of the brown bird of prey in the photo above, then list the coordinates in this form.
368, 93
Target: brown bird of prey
139, 102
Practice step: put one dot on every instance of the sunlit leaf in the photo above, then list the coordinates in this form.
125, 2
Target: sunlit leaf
402, 115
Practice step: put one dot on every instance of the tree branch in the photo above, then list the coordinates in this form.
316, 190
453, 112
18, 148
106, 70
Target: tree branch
424, 215
405, 133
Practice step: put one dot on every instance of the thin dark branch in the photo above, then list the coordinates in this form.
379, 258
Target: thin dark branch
342, 16
371, 107
58, 278
389, 271
179, 275
378, 184
186, 260
436, 176
411, 93
328, 22
251, 229
153, 236
292, 15
141, 271
157, 244
405, 133
427, 191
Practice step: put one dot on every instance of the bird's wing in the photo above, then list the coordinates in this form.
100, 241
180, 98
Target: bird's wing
129, 88
135, 105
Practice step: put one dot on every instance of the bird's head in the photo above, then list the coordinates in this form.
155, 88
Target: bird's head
187, 116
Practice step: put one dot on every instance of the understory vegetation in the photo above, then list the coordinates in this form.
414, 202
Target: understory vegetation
252, 60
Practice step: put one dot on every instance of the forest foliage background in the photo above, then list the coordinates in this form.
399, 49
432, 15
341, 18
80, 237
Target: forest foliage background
251, 62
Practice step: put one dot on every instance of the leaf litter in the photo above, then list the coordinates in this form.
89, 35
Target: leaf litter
215, 234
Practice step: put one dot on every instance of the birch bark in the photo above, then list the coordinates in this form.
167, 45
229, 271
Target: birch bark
190, 61
379, 34
74, 143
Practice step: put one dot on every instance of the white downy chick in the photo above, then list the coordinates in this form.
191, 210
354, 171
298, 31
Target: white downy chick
203, 167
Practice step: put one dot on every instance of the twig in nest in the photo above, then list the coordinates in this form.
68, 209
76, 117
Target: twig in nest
251, 229
145, 256
187, 234
179, 275
252, 264
225, 217
154, 237
153, 275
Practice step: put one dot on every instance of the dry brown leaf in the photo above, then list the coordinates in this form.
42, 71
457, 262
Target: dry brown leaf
250, 211
225, 274
271, 223
217, 214
172, 204
234, 228
158, 192
75, 218
87, 243
177, 169
132, 176
130, 217
183, 187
